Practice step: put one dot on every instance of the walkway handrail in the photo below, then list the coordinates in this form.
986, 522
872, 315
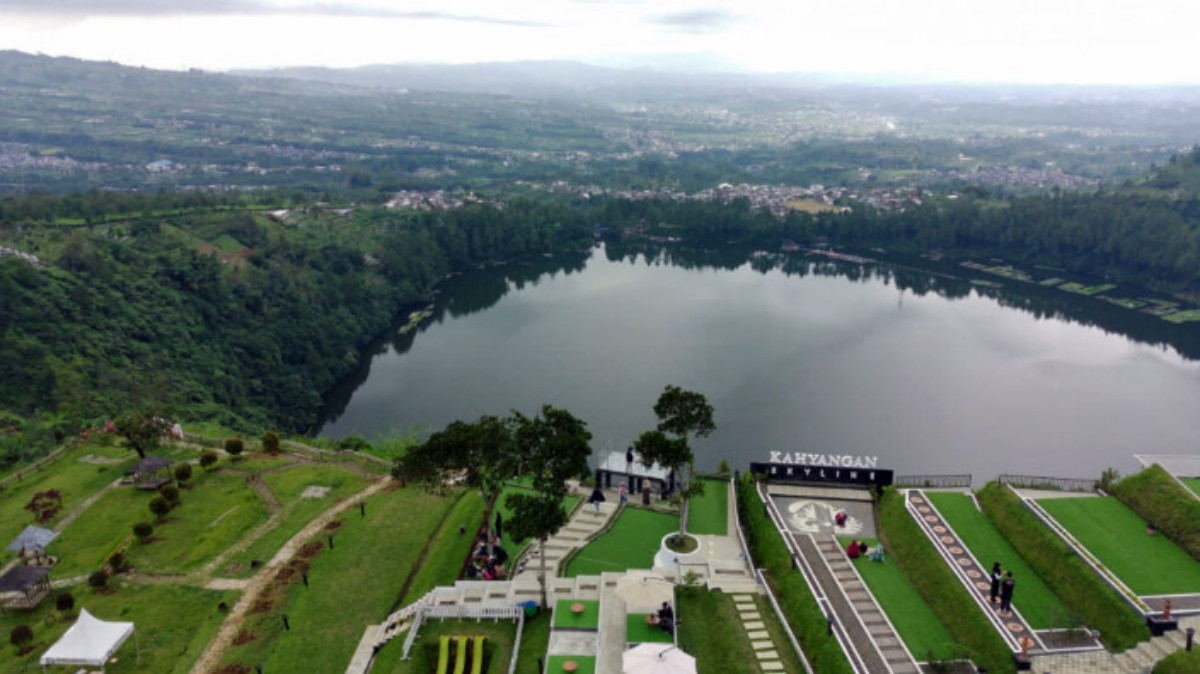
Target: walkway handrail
852, 656
512, 663
846, 597
1109, 577
933, 481
412, 633
1050, 483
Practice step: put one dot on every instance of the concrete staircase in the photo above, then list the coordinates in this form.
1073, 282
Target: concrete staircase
871, 634
1140, 660
583, 525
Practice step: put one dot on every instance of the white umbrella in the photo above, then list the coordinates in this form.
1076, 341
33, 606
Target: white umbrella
644, 591
657, 659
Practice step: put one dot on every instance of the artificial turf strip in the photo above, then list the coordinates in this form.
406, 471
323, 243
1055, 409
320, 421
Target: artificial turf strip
709, 630
708, 514
638, 631
1115, 534
586, 663
1040, 607
564, 618
1192, 483
919, 627
630, 544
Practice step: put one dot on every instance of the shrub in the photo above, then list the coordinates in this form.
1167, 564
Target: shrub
143, 530
935, 581
160, 507
183, 472
170, 493
208, 458
234, 446
1076, 584
45, 505
20, 635
98, 579
270, 442
1158, 498
116, 561
723, 467
65, 601
1179, 662
353, 443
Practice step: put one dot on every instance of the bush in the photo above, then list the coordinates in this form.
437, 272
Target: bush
183, 472
935, 581
234, 446
1076, 584
65, 601
160, 507
20, 635
98, 579
270, 442
353, 443
1158, 498
170, 493
1179, 662
116, 561
143, 530
795, 598
208, 458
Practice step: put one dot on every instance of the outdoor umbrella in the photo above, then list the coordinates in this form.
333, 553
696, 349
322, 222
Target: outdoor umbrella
657, 659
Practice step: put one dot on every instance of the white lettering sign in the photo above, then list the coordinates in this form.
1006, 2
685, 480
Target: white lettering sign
824, 460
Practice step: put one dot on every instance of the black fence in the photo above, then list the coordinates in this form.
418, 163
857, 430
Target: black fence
934, 481
1049, 483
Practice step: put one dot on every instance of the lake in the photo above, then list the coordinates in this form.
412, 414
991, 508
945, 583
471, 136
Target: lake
923, 369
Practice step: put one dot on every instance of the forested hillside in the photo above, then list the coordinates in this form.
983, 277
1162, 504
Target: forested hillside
228, 315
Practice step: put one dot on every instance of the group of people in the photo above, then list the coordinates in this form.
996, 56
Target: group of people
1002, 588
859, 548
666, 618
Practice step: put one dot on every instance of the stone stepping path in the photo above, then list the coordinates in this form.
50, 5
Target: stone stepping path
766, 651
1011, 625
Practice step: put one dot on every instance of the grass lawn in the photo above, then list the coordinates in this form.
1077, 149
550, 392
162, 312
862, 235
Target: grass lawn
589, 619
535, 639
515, 548
254, 463
586, 664
448, 548
631, 543
709, 514
351, 586
297, 511
709, 631
173, 623
1036, 602
213, 515
638, 631
100, 530
920, 628
498, 647
1192, 483
74, 479
1117, 536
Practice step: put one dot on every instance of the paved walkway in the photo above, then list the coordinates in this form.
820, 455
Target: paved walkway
1011, 625
583, 525
1139, 660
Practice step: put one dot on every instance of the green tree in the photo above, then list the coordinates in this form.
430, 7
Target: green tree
143, 429
551, 448
478, 455
681, 414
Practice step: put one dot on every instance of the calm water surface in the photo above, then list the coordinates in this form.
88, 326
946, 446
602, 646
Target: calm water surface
929, 373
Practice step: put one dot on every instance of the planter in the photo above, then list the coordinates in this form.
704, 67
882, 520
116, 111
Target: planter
669, 560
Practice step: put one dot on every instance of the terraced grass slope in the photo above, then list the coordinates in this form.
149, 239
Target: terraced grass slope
1149, 565
1032, 597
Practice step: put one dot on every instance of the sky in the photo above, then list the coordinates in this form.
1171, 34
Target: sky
1035, 41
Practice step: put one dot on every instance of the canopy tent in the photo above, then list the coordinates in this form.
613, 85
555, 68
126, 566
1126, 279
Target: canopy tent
32, 537
90, 641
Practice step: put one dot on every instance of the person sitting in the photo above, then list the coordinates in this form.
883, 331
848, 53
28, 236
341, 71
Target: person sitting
666, 613
852, 550
863, 547
667, 625
840, 518
877, 553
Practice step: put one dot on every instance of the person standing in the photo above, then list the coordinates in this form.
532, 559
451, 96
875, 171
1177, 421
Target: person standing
597, 498
1006, 593
622, 494
997, 577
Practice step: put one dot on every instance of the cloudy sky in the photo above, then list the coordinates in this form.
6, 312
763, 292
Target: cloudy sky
1092, 41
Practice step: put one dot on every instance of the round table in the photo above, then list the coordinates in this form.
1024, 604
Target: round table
577, 608
570, 666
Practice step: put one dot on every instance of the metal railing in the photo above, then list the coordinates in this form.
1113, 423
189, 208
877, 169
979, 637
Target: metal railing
1048, 483
933, 481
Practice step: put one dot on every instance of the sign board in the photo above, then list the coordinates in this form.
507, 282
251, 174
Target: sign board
791, 472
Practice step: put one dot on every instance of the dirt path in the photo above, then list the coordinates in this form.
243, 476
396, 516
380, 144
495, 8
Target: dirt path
71, 516
211, 657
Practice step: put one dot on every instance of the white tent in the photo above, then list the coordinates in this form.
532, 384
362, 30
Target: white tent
90, 641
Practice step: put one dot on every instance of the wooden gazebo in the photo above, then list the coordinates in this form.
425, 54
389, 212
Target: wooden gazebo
24, 587
151, 473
